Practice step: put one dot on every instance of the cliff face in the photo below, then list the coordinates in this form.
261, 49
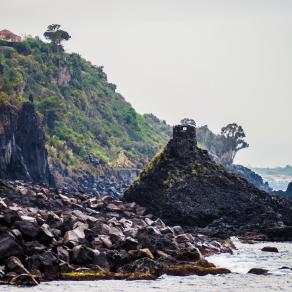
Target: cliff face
22, 145
188, 188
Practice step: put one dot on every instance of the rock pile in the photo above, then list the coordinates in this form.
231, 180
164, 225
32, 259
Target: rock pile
183, 186
47, 234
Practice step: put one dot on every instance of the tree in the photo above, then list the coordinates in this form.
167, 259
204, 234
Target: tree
233, 141
188, 121
56, 35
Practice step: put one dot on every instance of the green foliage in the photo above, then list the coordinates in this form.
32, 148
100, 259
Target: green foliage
52, 108
225, 145
56, 35
233, 136
81, 112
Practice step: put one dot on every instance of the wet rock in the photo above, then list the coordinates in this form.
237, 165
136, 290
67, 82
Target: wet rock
188, 254
285, 268
258, 271
143, 265
187, 269
270, 249
24, 280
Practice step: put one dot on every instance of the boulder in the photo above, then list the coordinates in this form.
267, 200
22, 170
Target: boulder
187, 269
269, 249
46, 263
45, 235
33, 247
28, 229
9, 247
82, 255
258, 271
188, 254
100, 259
76, 235
10, 217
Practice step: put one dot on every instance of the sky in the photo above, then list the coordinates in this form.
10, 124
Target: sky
216, 61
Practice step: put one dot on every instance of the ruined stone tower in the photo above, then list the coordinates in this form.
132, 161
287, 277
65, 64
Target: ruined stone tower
184, 142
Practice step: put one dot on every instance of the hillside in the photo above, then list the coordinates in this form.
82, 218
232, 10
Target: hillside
96, 141
88, 124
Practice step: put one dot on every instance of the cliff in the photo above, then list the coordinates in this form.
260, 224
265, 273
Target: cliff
23, 154
182, 185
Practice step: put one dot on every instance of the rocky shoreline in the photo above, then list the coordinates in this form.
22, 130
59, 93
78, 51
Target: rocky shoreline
49, 234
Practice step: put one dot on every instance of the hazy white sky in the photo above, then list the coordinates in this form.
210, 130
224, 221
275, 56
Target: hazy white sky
216, 61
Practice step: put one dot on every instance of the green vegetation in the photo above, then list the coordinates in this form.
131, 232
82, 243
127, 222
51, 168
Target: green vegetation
56, 35
82, 113
225, 145
80, 110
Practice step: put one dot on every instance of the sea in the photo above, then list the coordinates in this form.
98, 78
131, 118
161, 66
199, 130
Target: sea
245, 257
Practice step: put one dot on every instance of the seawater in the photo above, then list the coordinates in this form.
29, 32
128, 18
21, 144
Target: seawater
246, 256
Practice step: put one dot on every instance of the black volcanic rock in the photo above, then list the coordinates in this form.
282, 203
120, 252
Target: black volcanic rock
289, 189
183, 186
22, 145
51, 232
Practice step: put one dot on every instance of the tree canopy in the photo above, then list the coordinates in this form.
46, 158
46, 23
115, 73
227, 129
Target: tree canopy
56, 35
233, 137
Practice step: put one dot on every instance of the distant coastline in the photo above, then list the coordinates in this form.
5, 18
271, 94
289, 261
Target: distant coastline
277, 177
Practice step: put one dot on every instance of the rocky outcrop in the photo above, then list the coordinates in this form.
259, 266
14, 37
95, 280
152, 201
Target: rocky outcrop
22, 145
47, 234
250, 176
289, 189
287, 194
182, 185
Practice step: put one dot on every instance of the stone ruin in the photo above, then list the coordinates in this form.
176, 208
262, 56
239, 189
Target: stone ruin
184, 140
